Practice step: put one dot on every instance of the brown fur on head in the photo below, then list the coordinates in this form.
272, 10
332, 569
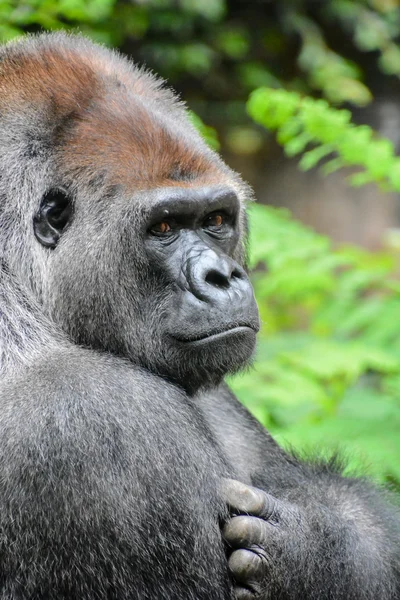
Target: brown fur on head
105, 114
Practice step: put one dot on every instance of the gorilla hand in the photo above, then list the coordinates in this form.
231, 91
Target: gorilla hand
259, 537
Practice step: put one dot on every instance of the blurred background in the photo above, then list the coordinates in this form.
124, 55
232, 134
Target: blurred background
303, 98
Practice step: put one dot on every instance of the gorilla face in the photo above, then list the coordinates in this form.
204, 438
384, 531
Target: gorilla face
210, 318
191, 236
159, 286
138, 233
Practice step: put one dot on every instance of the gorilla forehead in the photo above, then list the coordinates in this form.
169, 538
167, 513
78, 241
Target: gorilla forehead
105, 113
138, 147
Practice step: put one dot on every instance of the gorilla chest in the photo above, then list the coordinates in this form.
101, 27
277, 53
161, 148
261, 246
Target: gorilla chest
119, 496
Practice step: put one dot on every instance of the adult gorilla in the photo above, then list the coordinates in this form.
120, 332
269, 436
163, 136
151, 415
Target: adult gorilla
123, 295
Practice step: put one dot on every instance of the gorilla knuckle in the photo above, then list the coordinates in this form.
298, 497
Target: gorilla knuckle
246, 566
245, 531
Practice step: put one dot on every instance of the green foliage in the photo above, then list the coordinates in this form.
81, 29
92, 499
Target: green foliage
17, 17
328, 363
208, 133
328, 368
328, 71
302, 122
372, 30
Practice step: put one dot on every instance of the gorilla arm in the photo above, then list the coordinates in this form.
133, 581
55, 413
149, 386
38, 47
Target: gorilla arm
304, 531
99, 496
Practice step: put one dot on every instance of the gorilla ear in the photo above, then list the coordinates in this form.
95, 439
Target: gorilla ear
53, 216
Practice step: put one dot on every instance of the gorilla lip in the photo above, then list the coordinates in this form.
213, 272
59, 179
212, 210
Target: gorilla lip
201, 339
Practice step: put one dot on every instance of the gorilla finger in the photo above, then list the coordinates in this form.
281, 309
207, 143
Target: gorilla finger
244, 532
242, 593
244, 498
248, 568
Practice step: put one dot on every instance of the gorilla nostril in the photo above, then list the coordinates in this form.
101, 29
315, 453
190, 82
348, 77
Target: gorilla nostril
217, 279
237, 274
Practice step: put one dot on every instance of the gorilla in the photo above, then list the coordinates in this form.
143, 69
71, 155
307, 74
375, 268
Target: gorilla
128, 470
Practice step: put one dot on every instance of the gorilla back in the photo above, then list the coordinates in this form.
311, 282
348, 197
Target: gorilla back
122, 293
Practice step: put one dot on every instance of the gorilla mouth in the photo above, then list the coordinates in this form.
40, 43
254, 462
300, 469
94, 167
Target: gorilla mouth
217, 336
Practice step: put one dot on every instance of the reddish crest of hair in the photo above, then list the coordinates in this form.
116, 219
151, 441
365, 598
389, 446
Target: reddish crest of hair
105, 113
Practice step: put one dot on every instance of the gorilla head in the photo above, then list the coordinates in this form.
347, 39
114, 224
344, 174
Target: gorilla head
126, 227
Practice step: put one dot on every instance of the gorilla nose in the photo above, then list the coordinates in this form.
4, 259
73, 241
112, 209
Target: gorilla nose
210, 274
221, 275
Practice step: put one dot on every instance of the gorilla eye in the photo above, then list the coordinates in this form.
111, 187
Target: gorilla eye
53, 216
214, 221
160, 228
